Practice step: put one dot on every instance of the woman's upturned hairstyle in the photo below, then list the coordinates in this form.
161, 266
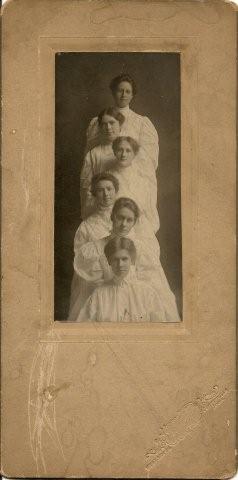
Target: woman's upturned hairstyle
103, 176
120, 243
133, 143
113, 112
123, 78
124, 202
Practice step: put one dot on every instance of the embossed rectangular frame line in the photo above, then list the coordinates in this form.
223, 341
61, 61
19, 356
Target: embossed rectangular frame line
59, 331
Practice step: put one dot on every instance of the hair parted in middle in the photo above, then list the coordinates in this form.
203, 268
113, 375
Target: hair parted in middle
103, 176
124, 77
120, 243
112, 112
133, 143
125, 202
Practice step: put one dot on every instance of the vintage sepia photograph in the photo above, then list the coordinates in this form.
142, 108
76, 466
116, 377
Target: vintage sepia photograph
118, 239
117, 236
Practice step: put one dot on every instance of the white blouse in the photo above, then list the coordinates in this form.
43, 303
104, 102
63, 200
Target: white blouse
91, 264
127, 300
134, 184
141, 129
97, 160
136, 126
96, 226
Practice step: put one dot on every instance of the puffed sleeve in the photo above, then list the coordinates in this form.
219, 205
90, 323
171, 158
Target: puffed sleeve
87, 200
87, 263
90, 264
147, 260
149, 142
92, 135
81, 237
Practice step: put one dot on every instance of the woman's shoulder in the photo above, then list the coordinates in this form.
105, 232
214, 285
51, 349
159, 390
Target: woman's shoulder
135, 114
143, 289
95, 151
97, 223
80, 232
103, 294
146, 123
143, 118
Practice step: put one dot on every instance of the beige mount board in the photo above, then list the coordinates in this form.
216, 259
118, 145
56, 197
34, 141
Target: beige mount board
123, 401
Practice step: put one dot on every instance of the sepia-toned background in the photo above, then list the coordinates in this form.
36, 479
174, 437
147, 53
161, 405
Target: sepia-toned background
82, 91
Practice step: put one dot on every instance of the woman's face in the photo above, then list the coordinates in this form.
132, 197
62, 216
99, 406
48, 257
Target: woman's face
110, 128
120, 263
124, 154
123, 221
123, 94
105, 193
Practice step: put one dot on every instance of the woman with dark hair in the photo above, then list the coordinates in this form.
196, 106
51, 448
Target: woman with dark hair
101, 157
91, 264
89, 260
104, 187
124, 298
139, 127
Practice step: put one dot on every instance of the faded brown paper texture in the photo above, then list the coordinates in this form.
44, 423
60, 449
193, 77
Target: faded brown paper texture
126, 401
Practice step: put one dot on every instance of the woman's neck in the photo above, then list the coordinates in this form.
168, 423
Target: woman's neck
120, 167
124, 109
104, 209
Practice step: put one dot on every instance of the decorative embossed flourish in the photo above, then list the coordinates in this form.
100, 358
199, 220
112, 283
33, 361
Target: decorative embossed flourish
42, 396
41, 403
179, 427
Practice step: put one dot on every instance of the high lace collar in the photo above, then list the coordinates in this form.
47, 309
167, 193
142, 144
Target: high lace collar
129, 279
131, 235
104, 211
124, 110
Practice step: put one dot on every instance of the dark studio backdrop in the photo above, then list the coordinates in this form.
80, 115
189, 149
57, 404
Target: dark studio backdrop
82, 91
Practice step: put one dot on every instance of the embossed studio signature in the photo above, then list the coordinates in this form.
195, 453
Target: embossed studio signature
184, 422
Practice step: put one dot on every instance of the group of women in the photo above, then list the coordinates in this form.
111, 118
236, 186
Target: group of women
118, 276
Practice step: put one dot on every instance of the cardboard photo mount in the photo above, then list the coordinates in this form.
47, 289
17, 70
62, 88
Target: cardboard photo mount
101, 400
